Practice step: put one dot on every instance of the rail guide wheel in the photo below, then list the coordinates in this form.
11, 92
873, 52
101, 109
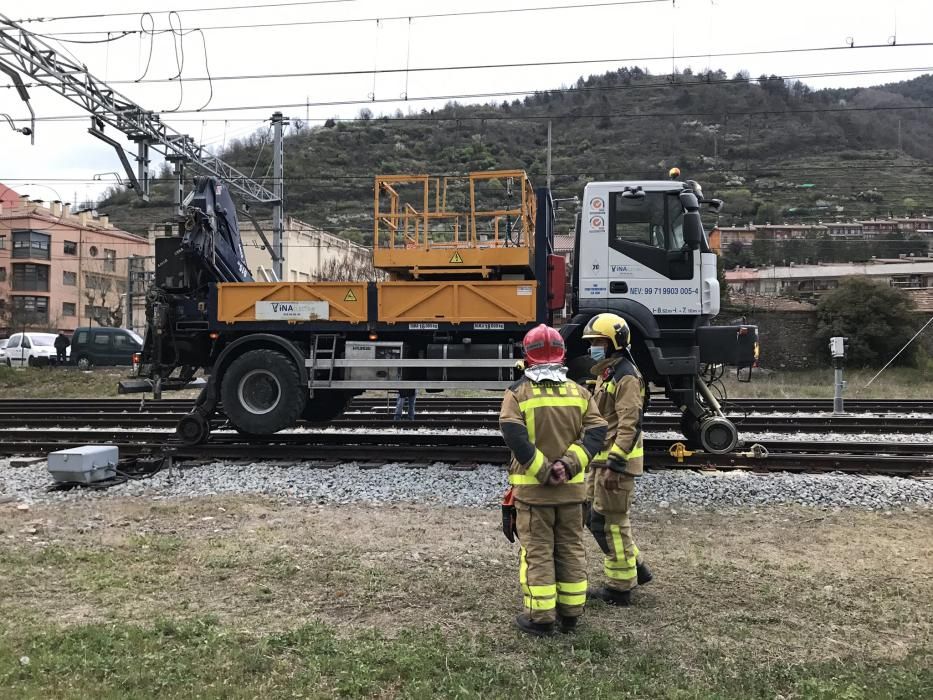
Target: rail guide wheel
193, 429
718, 435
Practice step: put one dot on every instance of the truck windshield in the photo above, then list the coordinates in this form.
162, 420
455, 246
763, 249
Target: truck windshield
655, 220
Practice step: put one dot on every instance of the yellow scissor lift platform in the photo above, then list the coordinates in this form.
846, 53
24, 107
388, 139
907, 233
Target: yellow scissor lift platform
475, 226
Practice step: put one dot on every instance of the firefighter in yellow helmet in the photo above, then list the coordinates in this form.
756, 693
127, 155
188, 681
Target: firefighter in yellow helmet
620, 394
553, 428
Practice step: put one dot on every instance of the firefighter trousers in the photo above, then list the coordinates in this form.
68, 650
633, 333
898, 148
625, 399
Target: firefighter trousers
552, 568
610, 496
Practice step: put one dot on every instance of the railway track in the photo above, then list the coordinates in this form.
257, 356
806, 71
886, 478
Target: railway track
467, 450
461, 431
436, 404
477, 421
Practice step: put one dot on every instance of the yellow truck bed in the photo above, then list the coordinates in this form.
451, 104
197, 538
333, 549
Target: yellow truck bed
498, 301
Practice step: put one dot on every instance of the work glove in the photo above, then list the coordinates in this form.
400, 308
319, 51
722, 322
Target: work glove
617, 464
509, 516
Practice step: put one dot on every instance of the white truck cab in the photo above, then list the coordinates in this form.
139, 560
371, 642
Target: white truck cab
632, 247
641, 252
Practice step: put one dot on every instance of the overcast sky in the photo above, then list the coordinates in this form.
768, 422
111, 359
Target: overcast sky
626, 34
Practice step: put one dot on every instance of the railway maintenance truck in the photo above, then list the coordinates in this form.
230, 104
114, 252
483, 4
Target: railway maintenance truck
465, 266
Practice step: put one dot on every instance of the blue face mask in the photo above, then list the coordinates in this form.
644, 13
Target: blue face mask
597, 352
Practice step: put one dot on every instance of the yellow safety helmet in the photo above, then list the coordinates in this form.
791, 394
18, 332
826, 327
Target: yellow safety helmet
609, 326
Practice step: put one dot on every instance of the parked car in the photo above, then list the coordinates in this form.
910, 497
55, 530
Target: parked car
3, 342
31, 349
104, 346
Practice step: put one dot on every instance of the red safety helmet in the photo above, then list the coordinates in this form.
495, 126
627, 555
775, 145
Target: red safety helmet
543, 346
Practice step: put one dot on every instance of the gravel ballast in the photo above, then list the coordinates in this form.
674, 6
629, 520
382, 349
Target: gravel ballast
483, 487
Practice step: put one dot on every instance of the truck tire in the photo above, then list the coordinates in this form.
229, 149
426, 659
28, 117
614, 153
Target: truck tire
326, 405
261, 392
84, 362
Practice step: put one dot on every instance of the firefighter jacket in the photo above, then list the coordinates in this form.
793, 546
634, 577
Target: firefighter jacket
620, 395
543, 422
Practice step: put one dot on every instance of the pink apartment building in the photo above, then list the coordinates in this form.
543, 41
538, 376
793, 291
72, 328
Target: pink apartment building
60, 270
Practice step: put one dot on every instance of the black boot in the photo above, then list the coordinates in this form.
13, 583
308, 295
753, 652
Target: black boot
610, 596
644, 574
568, 624
538, 629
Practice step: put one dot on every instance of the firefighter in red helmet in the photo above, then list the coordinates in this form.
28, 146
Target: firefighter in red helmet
553, 428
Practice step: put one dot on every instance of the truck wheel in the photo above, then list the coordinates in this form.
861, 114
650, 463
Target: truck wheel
325, 406
261, 392
84, 362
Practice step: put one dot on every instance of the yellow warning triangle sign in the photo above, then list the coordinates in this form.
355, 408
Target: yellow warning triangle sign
350, 296
456, 258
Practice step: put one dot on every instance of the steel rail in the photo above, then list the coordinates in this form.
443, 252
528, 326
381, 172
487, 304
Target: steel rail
381, 448
426, 420
734, 406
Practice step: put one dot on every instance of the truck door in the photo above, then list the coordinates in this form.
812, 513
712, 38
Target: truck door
648, 262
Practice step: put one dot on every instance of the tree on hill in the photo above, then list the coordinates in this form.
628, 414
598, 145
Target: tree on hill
877, 320
623, 124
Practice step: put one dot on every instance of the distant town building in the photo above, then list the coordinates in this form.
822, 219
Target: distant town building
865, 229
809, 281
60, 270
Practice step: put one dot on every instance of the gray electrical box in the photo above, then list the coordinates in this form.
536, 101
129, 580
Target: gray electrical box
85, 464
373, 351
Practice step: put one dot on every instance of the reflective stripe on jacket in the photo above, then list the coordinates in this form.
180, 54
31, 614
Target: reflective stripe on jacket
620, 395
543, 422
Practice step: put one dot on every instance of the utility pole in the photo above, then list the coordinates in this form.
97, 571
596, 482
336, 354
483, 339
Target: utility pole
129, 290
278, 189
549, 154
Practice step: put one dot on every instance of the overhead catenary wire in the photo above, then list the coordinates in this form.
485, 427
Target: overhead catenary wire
385, 18
634, 60
251, 6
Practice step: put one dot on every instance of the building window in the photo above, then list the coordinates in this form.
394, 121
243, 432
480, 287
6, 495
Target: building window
30, 278
68, 308
30, 244
71, 248
31, 310
110, 260
92, 251
2, 242
69, 279
2, 274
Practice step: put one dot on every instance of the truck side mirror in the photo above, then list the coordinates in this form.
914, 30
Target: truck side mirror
693, 230
693, 225
715, 205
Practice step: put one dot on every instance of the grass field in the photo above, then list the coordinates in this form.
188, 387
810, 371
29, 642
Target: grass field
894, 383
67, 383
243, 597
